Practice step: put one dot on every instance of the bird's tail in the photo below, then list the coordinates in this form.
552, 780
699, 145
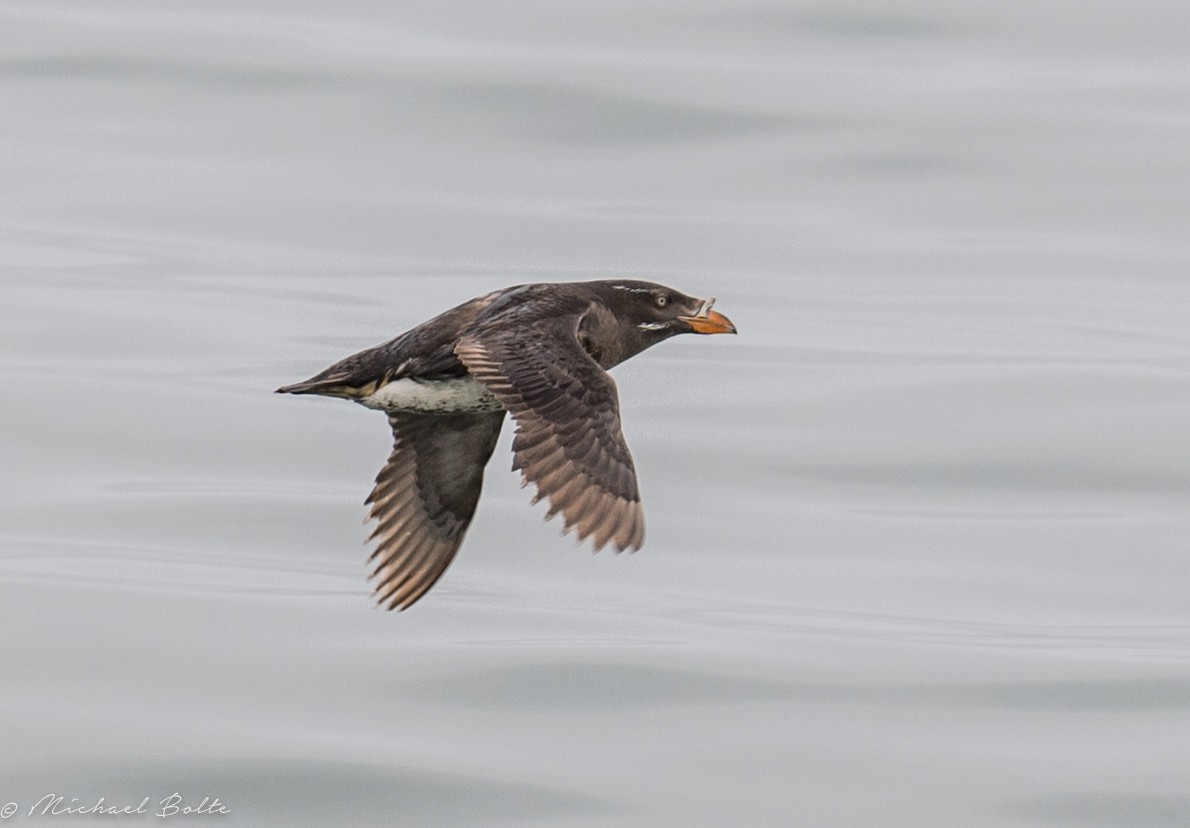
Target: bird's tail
334, 385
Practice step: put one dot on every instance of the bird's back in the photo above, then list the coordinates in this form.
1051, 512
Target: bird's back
423, 353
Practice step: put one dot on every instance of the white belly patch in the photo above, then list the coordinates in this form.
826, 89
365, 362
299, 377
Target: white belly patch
464, 394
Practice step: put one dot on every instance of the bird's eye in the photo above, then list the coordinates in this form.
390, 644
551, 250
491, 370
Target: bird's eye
662, 299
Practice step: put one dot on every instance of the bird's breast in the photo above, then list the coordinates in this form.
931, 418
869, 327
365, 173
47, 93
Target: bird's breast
457, 395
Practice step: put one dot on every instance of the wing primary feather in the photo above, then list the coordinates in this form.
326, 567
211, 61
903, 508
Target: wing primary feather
424, 499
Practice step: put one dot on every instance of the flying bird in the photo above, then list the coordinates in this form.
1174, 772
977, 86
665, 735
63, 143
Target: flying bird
539, 352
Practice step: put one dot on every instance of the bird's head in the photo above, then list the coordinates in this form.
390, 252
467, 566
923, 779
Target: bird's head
657, 312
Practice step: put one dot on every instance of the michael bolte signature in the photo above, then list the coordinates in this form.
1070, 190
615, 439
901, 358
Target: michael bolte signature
172, 805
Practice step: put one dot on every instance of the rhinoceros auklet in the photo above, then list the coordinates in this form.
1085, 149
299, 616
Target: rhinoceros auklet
539, 352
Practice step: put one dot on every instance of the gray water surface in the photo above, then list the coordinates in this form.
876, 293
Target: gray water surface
917, 538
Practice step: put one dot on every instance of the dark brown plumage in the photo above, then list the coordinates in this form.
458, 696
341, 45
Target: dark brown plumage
539, 352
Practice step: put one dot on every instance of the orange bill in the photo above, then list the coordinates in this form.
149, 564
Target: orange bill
711, 322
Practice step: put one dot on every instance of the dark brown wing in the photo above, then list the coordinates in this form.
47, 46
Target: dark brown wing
424, 499
568, 439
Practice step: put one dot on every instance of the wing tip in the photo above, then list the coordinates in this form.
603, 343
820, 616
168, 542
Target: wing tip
610, 520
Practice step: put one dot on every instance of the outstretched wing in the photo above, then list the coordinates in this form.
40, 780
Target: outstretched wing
424, 499
568, 439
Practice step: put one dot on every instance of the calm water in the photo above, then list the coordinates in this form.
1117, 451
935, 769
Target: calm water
918, 537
